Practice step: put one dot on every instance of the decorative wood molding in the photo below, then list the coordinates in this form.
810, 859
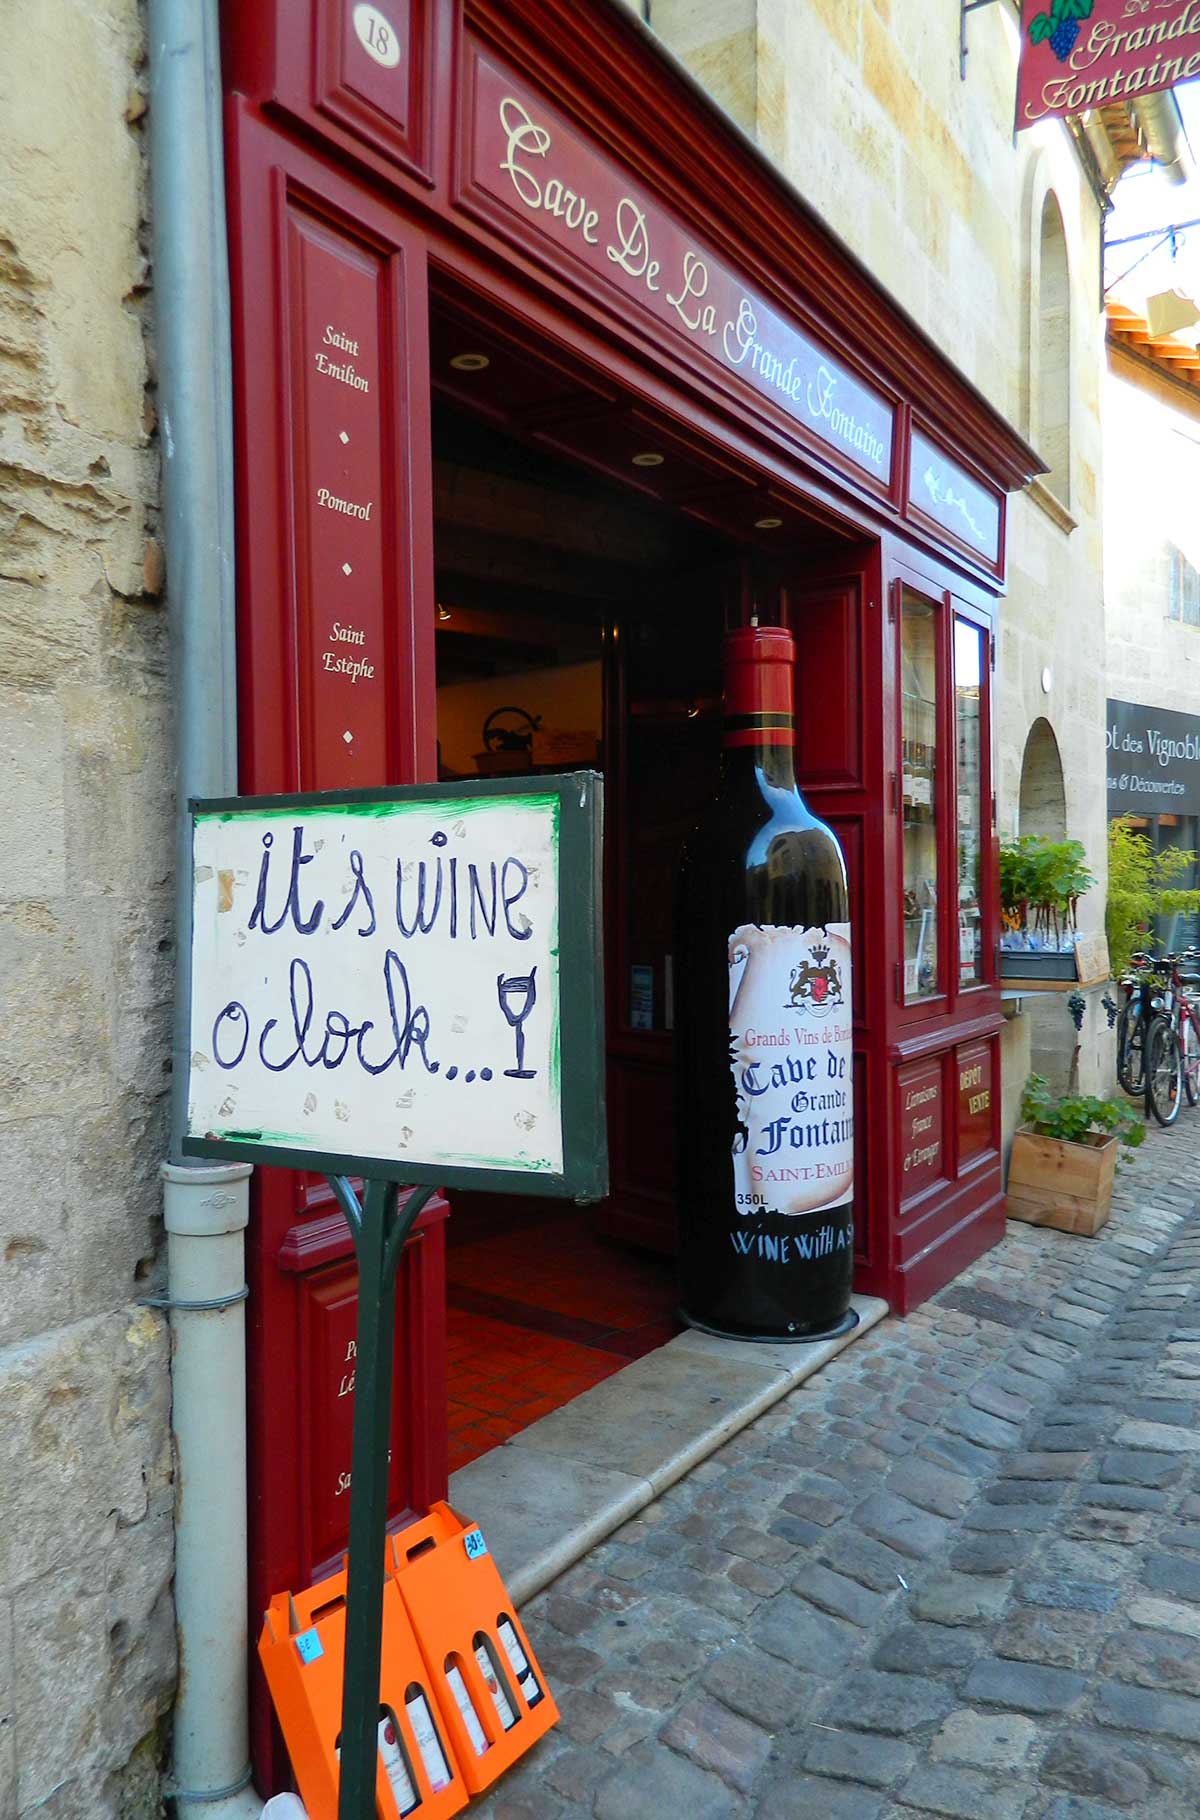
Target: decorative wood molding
616, 79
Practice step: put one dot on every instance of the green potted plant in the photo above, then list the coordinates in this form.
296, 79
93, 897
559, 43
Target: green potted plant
1041, 883
1139, 889
1064, 1157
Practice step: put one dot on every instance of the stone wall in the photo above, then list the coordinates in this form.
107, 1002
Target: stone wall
86, 1626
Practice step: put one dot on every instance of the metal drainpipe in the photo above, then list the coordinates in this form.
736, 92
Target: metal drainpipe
205, 1207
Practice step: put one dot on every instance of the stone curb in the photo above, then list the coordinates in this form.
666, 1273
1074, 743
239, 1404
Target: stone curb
566, 1482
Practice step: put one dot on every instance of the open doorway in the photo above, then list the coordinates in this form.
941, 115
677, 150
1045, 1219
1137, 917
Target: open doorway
587, 563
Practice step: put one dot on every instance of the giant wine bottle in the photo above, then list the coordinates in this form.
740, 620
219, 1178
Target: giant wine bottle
764, 1068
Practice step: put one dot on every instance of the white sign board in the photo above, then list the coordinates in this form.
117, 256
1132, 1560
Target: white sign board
377, 982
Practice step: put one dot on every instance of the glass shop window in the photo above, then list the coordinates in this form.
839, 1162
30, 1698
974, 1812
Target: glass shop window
969, 660
919, 774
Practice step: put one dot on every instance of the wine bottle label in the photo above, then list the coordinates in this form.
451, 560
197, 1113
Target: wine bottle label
793, 1070
437, 1770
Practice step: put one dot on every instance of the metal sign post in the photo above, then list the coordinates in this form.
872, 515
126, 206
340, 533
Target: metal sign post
380, 1229
400, 986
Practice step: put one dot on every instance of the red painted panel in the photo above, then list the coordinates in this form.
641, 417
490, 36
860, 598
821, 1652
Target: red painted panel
976, 1111
829, 686
338, 292
366, 66
359, 75
922, 1158
329, 1324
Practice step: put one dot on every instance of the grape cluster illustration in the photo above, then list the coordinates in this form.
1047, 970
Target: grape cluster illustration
1060, 26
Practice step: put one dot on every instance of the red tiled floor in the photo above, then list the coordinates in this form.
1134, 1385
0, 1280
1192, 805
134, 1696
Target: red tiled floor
539, 1311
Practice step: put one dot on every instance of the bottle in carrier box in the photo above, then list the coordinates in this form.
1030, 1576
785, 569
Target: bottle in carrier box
437, 1770
518, 1661
495, 1687
396, 1764
462, 1700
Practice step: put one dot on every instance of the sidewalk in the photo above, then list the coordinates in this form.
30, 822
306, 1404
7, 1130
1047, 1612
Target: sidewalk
956, 1573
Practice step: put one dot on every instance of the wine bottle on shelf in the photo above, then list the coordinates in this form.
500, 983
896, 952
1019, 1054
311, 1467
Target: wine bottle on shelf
763, 1037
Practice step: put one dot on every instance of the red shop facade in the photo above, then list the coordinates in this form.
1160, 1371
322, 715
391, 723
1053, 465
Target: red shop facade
543, 378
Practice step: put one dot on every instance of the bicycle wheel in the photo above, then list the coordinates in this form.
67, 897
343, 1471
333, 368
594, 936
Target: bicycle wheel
1130, 1060
1164, 1071
1191, 1061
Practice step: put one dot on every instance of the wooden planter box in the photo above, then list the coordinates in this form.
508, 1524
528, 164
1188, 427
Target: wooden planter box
1054, 1183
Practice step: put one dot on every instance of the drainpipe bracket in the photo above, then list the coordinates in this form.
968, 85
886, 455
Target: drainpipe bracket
218, 1301
172, 1793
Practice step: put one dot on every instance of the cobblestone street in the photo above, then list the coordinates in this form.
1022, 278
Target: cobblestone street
955, 1573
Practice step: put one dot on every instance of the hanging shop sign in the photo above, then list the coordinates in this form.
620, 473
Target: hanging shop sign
1153, 760
1081, 54
525, 157
402, 984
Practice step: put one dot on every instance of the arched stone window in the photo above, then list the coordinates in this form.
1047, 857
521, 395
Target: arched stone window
1042, 805
1052, 415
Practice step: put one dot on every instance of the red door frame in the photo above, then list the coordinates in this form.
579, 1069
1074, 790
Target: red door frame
386, 173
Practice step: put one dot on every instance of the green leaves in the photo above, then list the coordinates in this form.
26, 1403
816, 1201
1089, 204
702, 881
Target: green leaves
1043, 878
1139, 888
1043, 25
1073, 1116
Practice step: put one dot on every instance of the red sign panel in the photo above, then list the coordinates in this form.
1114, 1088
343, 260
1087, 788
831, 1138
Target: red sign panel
973, 1066
1080, 54
920, 1090
524, 156
338, 292
331, 1315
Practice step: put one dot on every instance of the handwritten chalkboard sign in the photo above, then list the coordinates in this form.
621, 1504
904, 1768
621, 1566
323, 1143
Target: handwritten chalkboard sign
403, 984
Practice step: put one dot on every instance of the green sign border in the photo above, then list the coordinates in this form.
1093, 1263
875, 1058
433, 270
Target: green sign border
584, 1173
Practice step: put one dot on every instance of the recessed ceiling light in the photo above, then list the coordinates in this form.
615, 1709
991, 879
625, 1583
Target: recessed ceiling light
767, 524
648, 459
470, 363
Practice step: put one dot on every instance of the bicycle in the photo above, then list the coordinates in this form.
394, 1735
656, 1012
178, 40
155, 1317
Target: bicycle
1173, 1044
1164, 1070
1132, 1021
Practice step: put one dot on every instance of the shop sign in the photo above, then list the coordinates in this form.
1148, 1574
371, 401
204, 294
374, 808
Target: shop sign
945, 492
1082, 54
1153, 760
920, 1090
525, 157
388, 983
973, 1066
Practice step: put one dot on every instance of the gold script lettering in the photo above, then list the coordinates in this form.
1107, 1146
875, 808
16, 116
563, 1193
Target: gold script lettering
526, 139
632, 251
695, 284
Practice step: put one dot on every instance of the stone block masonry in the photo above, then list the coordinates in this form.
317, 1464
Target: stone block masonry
968, 1618
87, 1649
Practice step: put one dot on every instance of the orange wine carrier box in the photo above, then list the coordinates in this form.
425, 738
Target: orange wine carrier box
461, 1694
303, 1647
490, 1691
